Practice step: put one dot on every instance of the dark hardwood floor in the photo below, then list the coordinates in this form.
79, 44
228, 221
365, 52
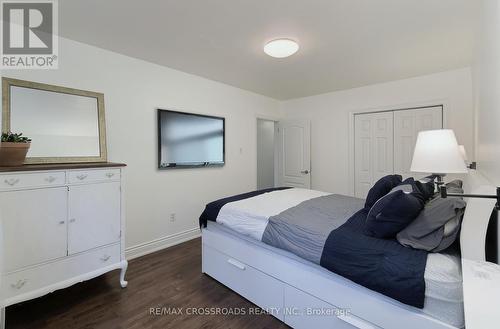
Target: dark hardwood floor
168, 279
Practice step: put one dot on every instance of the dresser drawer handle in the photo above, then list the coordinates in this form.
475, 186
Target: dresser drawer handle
19, 284
82, 176
50, 179
110, 174
236, 264
105, 258
12, 181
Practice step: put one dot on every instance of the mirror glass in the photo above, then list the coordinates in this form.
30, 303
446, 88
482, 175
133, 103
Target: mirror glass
65, 125
60, 125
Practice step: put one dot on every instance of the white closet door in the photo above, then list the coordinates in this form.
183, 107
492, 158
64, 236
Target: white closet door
428, 119
363, 154
383, 147
94, 212
373, 149
407, 125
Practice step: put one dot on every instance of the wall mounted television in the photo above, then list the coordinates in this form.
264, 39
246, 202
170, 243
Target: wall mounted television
188, 140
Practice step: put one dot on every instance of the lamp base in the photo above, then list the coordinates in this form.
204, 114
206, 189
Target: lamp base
439, 180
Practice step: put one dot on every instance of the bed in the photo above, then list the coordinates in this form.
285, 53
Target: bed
294, 287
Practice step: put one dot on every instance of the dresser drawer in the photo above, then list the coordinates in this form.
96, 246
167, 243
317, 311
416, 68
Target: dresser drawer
259, 288
100, 175
32, 180
37, 280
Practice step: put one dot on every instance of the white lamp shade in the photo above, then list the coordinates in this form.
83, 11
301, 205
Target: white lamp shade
461, 148
437, 152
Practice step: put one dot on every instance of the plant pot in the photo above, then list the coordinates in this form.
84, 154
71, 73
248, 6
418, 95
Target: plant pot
13, 154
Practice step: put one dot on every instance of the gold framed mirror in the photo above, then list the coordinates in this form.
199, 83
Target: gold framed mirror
65, 125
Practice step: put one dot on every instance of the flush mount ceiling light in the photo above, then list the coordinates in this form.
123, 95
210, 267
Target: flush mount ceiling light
281, 48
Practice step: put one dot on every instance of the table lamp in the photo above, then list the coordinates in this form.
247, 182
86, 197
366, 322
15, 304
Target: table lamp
437, 152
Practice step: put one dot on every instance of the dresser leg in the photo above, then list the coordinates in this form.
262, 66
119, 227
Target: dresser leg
2, 318
123, 283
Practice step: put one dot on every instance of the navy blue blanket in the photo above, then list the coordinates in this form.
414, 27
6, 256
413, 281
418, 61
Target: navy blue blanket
378, 264
212, 209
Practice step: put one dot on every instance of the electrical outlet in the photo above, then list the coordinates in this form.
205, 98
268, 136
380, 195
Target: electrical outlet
172, 217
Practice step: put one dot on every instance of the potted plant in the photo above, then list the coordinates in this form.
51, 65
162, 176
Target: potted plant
13, 149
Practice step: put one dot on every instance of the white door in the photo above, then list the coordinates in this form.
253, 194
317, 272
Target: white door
407, 125
383, 145
295, 153
94, 216
35, 222
373, 149
363, 171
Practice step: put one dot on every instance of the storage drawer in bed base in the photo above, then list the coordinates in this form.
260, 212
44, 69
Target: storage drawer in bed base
271, 280
296, 308
257, 287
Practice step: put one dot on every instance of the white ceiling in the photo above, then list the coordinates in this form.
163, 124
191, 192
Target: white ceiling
344, 43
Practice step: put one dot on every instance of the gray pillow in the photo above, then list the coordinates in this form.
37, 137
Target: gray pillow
436, 227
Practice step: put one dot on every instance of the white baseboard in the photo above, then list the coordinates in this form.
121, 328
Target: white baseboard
161, 243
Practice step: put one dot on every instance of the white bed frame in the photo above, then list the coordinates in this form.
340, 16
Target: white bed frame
288, 288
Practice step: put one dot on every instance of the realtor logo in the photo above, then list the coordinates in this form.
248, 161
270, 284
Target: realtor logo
29, 34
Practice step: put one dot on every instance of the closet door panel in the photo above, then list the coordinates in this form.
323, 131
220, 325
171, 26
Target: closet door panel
407, 125
384, 143
363, 171
383, 146
374, 149
428, 119
404, 141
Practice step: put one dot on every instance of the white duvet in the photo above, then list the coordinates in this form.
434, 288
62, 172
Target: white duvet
250, 216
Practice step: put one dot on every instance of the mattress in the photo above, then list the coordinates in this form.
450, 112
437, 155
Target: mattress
443, 278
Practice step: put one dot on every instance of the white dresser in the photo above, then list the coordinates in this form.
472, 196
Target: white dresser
59, 225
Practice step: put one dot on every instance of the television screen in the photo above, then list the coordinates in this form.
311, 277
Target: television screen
189, 140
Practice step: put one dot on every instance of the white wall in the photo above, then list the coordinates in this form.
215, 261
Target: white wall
330, 118
265, 153
487, 71
133, 89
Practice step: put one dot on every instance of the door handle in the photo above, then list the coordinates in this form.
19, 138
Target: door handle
305, 172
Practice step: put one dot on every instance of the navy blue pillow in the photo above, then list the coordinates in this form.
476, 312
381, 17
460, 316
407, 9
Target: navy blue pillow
393, 212
383, 186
